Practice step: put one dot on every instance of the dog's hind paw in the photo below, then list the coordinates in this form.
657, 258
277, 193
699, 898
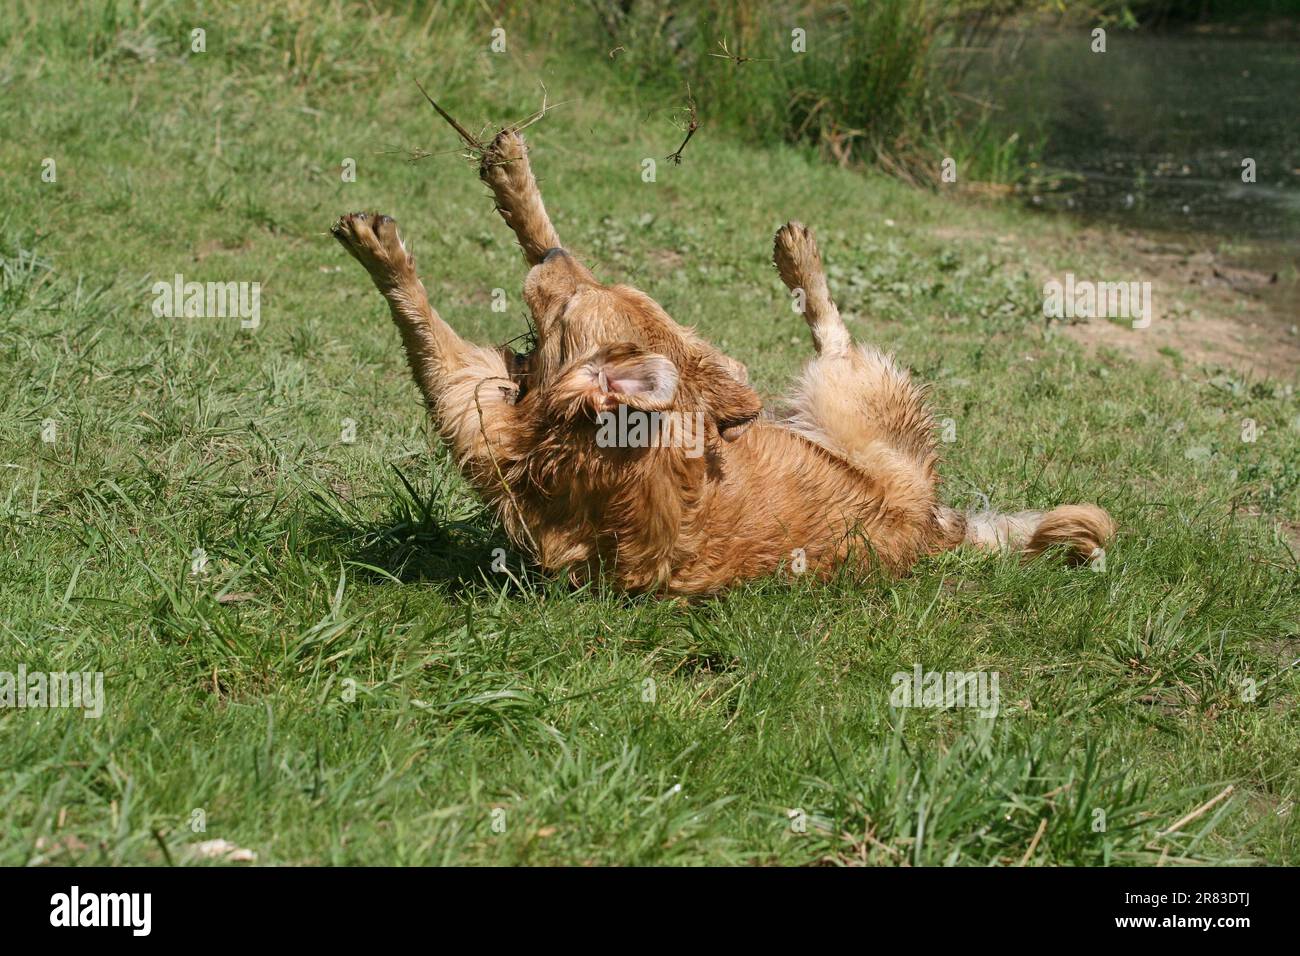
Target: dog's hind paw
794, 251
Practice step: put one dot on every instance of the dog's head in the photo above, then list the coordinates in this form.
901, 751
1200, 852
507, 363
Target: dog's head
601, 346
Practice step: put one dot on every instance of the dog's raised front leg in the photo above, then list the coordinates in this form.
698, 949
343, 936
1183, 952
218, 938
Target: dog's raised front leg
433, 348
466, 388
505, 168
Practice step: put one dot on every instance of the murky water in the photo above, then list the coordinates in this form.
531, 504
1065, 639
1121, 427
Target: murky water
1155, 133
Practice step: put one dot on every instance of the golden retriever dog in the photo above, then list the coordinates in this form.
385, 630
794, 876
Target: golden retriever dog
627, 448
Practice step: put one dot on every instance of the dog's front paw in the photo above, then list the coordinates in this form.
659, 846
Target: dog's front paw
503, 158
373, 241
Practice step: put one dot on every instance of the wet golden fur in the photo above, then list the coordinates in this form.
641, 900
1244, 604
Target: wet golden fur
849, 474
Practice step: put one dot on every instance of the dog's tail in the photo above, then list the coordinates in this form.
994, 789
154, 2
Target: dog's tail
1083, 530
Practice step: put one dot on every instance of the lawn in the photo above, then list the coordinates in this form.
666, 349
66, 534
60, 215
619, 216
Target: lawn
307, 651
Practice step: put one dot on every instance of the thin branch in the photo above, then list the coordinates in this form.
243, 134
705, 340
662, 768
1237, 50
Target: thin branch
524, 124
418, 153
475, 143
736, 58
470, 141
1033, 844
1199, 811
692, 126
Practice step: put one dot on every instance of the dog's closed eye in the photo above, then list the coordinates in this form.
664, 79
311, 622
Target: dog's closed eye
733, 405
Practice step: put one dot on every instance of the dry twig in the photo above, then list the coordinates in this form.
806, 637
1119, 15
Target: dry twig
470, 141
475, 143
1033, 844
1199, 811
692, 125
736, 58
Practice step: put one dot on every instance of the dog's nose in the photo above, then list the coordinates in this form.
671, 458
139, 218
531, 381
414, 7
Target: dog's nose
552, 252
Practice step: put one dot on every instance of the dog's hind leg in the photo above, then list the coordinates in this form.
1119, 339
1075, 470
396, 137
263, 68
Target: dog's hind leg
466, 388
854, 400
505, 168
858, 402
799, 261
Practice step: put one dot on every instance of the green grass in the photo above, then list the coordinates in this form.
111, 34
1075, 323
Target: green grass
862, 81
350, 682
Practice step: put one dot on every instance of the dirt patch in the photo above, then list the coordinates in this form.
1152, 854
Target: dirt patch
1291, 531
666, 260
213, 247
1206, 308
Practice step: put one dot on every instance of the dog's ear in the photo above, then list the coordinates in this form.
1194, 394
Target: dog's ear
733, 405
626, 374
736, 370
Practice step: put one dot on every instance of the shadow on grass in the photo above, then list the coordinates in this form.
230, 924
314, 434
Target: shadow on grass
424, 536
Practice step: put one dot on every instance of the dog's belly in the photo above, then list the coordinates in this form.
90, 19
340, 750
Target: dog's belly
783, 502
